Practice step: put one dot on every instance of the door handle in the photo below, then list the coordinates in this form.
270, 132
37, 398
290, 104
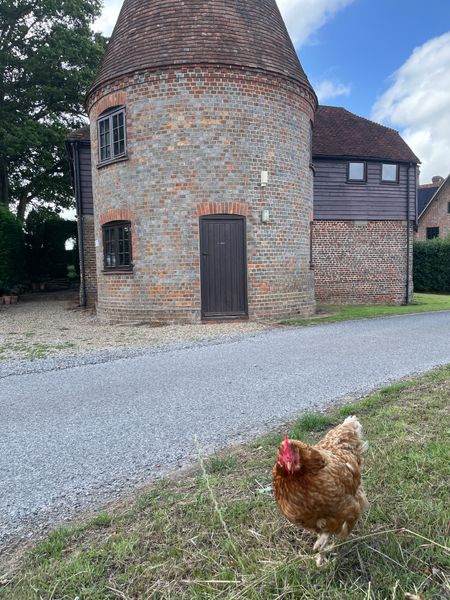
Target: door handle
205, 254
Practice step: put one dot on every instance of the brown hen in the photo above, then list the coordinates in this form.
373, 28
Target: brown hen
319, 487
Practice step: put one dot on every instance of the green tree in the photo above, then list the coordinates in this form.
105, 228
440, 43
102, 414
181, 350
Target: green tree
45, 238
11, 250
48, 58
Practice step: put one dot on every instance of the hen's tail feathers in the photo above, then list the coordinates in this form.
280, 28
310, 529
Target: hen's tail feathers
354, 421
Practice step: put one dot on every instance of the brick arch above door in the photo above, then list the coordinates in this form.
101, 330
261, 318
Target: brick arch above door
221, 208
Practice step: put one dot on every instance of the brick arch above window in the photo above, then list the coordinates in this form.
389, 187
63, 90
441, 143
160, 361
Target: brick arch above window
221, 208
115, 214
118, 98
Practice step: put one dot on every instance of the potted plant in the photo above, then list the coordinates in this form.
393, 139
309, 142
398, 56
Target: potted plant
4, 293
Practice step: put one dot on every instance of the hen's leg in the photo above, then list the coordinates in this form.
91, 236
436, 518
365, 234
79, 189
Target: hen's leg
321, 542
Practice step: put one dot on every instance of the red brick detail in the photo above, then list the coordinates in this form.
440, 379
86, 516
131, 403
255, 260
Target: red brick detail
221, 208
115, 214
117, 98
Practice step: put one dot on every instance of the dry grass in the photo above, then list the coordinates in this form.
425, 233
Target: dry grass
218, 533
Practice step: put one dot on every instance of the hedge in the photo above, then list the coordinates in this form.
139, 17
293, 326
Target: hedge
11, 251
432, 265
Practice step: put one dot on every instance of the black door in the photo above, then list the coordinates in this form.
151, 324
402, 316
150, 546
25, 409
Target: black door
223, 266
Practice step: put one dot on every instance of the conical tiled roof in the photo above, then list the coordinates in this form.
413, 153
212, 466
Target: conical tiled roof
161, 33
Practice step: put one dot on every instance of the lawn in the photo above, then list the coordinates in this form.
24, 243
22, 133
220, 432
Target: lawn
218, 533
331, 313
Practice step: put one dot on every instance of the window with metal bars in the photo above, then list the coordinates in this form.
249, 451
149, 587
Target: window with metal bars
112, 142
117, 246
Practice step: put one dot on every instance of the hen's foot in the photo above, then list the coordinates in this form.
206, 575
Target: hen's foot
321, 542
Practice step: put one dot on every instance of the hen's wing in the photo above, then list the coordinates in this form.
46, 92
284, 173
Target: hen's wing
345, 439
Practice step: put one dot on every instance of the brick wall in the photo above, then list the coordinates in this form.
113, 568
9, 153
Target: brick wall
198, 139
436, 215
89, 259
361, 262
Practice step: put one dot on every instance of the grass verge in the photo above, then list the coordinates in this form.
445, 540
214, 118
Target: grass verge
332, 313
218, 533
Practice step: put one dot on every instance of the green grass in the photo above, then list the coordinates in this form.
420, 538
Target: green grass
31, 350
218, 533
332, 313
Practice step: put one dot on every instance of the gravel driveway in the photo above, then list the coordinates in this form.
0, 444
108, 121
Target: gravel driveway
44, 326
75, 435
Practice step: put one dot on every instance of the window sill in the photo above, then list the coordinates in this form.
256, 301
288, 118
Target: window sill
117, 271
112, 161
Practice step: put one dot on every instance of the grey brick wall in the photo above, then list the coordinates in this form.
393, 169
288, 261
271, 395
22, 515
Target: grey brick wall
199, 138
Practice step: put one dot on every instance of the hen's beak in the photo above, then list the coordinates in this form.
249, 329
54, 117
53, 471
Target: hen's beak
288, 466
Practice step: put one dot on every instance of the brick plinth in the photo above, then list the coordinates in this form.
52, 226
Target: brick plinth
198, 139
361, 262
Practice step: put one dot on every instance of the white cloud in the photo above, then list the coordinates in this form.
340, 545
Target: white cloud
418, 103
327, 89
303, 17
106, 22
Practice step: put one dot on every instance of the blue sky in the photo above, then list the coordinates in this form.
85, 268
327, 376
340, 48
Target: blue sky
388, 60
367, 41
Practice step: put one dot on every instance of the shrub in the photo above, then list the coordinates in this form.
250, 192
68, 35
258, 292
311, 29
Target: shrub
11, 251
432, 265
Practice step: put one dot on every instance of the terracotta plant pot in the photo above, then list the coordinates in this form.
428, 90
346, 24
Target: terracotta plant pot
7, 299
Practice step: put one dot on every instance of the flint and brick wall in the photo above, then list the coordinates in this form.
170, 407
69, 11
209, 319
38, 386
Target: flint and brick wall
198, 139
436, 215
361, 262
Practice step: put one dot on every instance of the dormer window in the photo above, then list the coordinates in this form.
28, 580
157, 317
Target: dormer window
389, 173
356, 172
112, 143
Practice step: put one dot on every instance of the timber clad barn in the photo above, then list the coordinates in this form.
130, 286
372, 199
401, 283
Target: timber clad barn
194, 182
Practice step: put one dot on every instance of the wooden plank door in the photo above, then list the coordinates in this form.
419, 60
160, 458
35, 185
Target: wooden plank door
223, 266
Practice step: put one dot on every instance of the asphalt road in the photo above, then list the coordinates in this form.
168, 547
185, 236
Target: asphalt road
72, 438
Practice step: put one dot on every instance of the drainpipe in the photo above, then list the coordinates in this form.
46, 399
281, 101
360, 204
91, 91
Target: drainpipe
77, 185
408, 235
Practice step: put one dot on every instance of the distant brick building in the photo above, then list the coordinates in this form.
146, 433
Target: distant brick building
200, 202
434, 209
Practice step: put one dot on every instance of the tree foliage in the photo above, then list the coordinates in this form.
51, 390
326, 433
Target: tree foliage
11, 250
48, 58
46, 234
432, 265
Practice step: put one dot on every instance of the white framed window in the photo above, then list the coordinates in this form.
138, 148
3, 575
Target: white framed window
356, 171
389, 173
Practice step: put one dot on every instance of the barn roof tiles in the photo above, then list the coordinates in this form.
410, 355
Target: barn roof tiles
162, 33
338, 132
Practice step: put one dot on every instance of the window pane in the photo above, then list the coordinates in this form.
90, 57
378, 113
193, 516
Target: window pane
124, 246
432, 232
356, 171
389, 173
104, 139
118, 134
110, 258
